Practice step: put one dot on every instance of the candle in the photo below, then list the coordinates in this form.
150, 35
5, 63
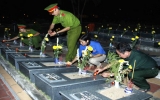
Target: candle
77, 54
57, 41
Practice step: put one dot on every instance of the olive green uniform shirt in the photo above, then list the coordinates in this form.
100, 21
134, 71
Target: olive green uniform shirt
66, 19
35, 39
143, 61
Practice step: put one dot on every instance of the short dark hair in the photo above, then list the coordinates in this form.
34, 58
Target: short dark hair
85, 37
123, 46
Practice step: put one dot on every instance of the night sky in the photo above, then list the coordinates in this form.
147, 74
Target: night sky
146, 12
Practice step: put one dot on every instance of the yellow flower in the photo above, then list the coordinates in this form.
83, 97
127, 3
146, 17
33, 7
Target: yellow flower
132, 39
158, 43
59, 47
136, 37
6, 29
110, 28
21, 34
111, 39
46, 39
31, 35
28, 35
95, 36
135, 29
121, 60
90, 48
153, 32
54, 47
112, 36
22, 38
83, 32
85, 53
130, 67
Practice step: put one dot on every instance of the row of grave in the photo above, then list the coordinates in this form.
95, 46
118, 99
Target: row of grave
61, 82
144, 38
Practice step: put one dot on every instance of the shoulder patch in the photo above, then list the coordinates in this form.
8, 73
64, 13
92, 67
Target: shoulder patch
63, 14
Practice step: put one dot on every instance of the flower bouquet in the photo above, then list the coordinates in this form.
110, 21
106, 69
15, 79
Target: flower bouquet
134, 41
57, 49
6, 33
158, 44
111, 41
153, 35
96, 37
30, 42
84, 59
43, 45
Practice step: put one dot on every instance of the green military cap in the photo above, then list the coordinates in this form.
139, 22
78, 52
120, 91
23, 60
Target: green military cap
21, 26
51, 7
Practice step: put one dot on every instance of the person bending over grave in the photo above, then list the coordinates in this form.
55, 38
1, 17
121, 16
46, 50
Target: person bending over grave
23, 35
143, 66
71, 25
97, 56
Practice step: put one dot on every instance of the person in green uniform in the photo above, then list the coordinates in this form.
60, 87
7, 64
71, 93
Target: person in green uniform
71, 25
145, 66
36, 39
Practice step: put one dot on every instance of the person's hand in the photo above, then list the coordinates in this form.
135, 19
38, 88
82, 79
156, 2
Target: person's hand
98, 70
68, 63
49, 31
4, 40
107, 74
52, 33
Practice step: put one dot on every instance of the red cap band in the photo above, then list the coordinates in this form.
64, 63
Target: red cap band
51, 9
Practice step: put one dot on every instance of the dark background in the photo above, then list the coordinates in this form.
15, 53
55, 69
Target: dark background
146, 12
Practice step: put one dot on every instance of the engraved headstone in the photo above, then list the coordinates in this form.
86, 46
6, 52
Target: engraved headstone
64, 79
14, 58
29, 67
103, 92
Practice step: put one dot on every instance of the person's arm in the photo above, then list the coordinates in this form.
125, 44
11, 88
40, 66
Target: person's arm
13, 38
98, 70
58, 32
63, 30
36, 34
73, 61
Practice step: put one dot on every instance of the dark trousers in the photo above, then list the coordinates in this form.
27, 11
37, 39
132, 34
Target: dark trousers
140, 76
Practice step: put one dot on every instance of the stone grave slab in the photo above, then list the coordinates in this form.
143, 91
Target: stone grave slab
13, 58
30, 67
64, 79
6, 51
103, 92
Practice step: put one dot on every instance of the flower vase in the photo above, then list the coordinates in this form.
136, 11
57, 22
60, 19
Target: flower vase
21, 44
116, 84
30, 48
14, 42
56, 60
82, 71
110, 45
129, 88
42, 54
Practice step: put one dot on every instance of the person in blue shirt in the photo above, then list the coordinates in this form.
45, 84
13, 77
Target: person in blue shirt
98, 54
